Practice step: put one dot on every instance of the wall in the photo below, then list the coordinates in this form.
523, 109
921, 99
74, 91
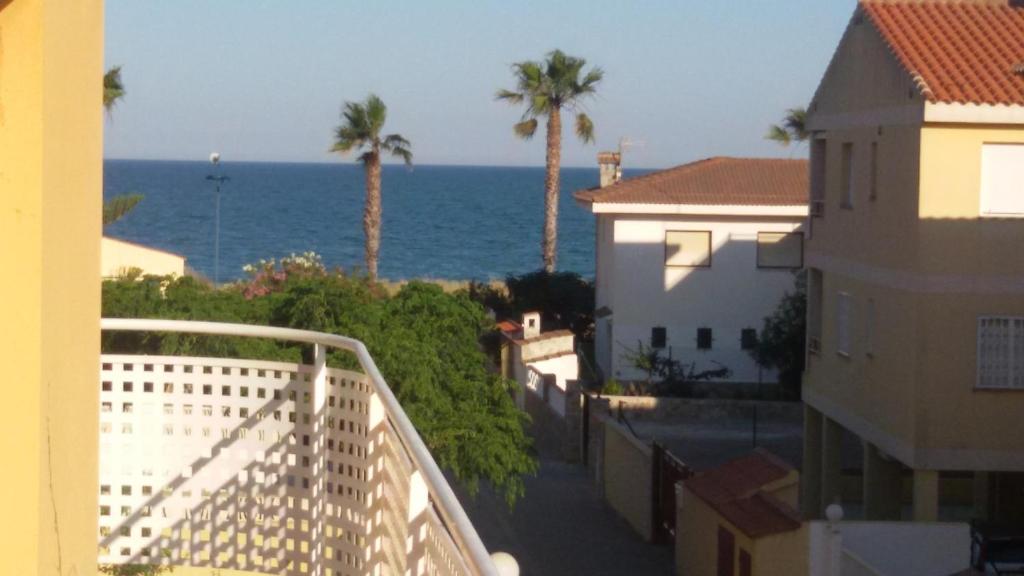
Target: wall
729, 296
627, 476
118, 256
51, 63
565, 367
645, 408
909, 549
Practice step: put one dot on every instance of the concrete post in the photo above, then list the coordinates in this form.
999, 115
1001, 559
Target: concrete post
810, 480
831, 462
882, 485
926, 495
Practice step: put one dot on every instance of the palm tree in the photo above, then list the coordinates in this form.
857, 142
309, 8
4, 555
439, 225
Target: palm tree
360, 129
113, 89
119, 206
793, 128
546, 88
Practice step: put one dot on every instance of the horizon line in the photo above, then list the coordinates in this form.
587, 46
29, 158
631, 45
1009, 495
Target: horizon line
354, 163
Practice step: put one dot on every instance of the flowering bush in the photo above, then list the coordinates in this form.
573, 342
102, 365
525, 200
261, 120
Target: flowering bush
268, 276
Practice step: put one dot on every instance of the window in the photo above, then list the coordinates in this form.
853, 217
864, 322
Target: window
704, 338
818, 149
1001, 352
658, 337
780, 250
748, 339
843, 323
688, 249
1002, 180
873, 193
846, 196
725, 565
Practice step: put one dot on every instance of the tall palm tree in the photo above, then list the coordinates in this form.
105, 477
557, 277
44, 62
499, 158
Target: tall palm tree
360, 130
546, 88
113, 91
792, 129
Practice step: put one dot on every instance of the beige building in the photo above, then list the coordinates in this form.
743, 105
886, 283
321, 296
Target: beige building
119, 257
916, 281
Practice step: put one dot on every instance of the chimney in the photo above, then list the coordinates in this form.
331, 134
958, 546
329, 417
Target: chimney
531, 325
610, 165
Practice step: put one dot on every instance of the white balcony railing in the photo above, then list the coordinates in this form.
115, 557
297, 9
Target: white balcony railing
270, 467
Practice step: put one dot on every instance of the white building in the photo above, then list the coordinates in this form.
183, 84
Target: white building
542, 363
691, 259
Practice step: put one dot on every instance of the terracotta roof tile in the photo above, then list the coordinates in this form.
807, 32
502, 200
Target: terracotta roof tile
734, 490
715, 181
958, 51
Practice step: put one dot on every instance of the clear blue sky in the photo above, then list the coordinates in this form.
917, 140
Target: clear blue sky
264, 80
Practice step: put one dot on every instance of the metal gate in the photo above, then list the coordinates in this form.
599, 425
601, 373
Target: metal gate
666, 471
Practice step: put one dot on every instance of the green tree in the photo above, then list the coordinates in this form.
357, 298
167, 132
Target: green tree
792, 129
113, 92
546, 88
360, 130
781, 344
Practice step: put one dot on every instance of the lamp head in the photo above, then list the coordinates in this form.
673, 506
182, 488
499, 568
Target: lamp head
834, 513
215, 158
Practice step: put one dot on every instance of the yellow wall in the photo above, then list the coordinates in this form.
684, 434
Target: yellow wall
118, 256
51, 65
627, 472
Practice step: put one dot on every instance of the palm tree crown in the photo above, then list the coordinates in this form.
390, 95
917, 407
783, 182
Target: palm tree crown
793, 128
361, 128
552, 85
113, 89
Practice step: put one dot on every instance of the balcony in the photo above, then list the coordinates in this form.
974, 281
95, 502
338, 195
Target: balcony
270, 467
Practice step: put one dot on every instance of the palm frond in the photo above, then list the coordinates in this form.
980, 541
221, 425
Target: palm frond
525, 129
796, 123
404, 153
510, 96
119, 206
585, 128
366, 158
113, 88
778, 134
376, 113
398, 146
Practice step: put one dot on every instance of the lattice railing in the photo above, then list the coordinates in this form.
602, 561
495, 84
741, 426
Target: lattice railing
270, 467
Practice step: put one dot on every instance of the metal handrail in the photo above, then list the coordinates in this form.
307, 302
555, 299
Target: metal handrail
461, 529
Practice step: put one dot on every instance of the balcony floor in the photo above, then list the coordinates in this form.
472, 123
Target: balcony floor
563, 527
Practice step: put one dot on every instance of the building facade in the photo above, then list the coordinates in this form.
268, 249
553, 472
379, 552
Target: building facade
916, 284
691, 260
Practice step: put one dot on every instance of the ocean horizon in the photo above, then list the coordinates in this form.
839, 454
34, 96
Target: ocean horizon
439, 221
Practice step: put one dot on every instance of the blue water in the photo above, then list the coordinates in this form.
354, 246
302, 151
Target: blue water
439, 221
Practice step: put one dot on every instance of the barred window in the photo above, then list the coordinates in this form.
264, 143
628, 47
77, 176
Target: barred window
1000, 352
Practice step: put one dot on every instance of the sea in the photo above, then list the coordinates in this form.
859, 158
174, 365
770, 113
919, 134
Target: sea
441, 222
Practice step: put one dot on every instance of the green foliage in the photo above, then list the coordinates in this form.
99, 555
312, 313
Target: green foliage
792, 129
361, 127
134, 569
113, 88
118, 207
425, 342
667, 376
557, 82
781, 344
612, 387
564, 299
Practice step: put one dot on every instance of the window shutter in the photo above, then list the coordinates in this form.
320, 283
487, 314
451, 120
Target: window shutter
704, 338
1000, 352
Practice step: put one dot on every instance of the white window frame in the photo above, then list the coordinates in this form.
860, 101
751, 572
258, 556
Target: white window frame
1015, 364
844, 320
984, 200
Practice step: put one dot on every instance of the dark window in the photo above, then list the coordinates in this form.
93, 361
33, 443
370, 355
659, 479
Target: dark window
748, 339
726, 550
745, 564
704, 338
658, 337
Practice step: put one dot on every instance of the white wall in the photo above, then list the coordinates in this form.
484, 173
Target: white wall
118, 256
564, 368
731, 295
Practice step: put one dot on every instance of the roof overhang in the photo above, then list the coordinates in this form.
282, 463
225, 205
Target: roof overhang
696, 209
973, 113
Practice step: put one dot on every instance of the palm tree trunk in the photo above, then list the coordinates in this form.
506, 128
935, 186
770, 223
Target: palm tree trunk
549, 245
372, 215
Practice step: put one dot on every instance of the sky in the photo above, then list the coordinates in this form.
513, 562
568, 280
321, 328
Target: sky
261, 80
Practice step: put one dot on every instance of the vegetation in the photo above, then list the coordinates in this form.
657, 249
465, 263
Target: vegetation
564, 299
612, 387
546, 88
134, 569
667, 376
792, 129
425, 342
781, 342
113, 91
362, 123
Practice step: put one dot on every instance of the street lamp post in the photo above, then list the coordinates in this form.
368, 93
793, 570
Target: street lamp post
218, 179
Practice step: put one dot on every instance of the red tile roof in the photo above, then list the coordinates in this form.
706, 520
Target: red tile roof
734, 490
715, 181
958, 51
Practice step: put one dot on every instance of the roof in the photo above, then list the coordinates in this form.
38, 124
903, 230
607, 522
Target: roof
719, 181
958, 51
734, 490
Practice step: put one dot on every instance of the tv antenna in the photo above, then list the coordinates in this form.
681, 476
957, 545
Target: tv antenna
627, 142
